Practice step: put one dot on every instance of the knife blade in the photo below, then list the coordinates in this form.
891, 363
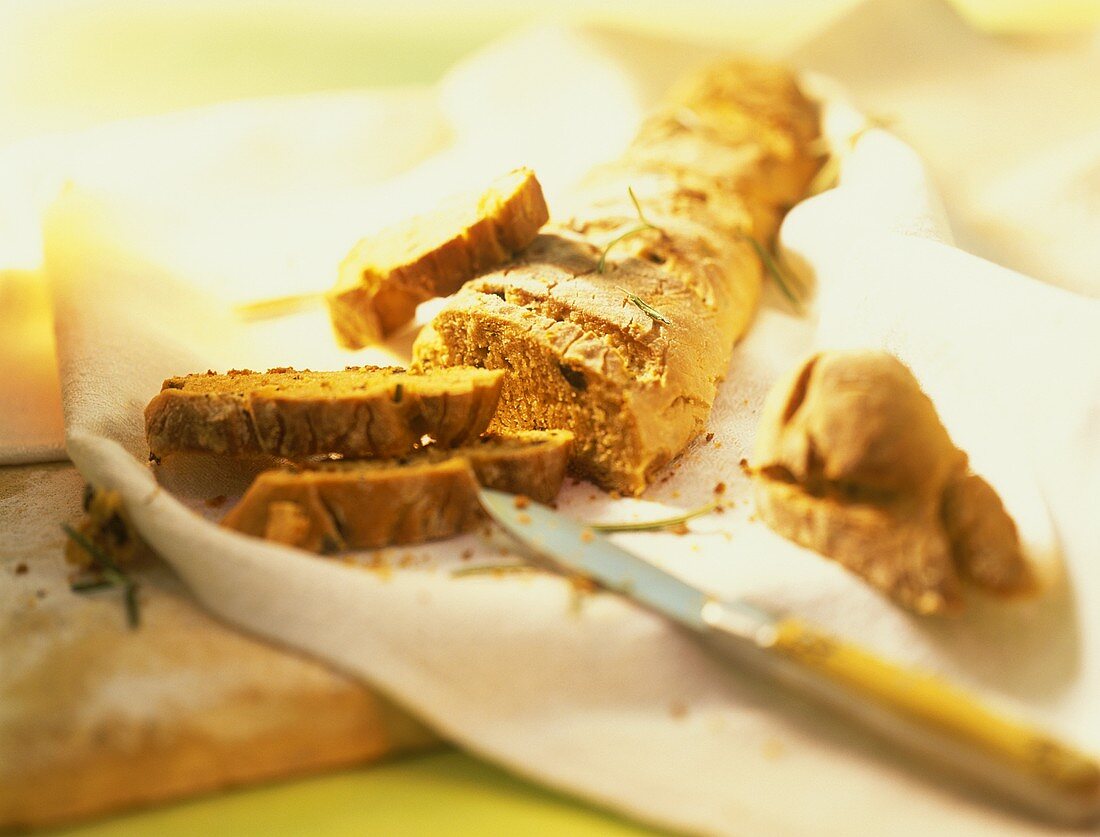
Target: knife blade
914, 709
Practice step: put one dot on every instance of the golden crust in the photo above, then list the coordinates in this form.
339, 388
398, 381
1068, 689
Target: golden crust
360, 411
851, 460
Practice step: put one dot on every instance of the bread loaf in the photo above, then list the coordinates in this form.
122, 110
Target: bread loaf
387, 275
361, 411
626, 351
851, 460
430, 494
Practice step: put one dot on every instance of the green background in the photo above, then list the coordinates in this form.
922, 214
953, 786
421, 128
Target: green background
442, 793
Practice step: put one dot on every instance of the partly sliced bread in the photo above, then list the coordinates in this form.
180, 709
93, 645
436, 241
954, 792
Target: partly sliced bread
359, 412
619, 323
387, 275
366, 504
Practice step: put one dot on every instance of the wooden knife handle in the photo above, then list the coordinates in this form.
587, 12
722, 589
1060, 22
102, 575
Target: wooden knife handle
1061, 779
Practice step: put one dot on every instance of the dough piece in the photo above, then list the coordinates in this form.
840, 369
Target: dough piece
851, 460
361, 411
716, 168
387, 275
369, 504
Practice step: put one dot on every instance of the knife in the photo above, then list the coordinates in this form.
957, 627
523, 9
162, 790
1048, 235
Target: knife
919, 711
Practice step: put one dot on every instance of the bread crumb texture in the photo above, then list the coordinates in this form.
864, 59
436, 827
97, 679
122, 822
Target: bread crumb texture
359, 411
334, 506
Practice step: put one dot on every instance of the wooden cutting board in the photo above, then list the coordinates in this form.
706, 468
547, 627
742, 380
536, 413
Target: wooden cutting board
96, 717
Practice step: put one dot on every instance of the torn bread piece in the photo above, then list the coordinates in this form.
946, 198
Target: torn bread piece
388, 274
851, 460
358, 412
333, 506
618, 324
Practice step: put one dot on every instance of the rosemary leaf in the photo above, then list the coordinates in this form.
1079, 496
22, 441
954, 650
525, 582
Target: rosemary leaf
89, 586
645, 225
783, 280
491, 569
651, 525
602, 263
646, 307
133, 614
113, 575
638, 207
100, 558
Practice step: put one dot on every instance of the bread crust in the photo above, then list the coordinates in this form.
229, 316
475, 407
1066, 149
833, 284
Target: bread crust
358, 412
633, 388
387, 275
429, 495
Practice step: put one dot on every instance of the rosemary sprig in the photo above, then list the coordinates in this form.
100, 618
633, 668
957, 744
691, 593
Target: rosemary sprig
277, 306
783, 280
646, 307
89, 586
113, 575
491, 569
651, 525
642, 227
133, 615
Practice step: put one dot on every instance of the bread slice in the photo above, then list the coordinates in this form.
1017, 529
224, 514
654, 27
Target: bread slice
851, 460
387, 275
620, 332
359, 412
366, 504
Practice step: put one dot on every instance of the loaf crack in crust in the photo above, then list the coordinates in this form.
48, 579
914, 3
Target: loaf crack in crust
358, 412
715, 168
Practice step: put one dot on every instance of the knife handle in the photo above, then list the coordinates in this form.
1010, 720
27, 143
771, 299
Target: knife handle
946, 723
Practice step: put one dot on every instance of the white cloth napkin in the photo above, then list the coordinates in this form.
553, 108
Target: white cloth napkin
592, 695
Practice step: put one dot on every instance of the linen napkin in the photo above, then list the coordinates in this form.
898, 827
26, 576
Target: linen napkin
588, 693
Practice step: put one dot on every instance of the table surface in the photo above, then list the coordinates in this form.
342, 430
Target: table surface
440, 793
